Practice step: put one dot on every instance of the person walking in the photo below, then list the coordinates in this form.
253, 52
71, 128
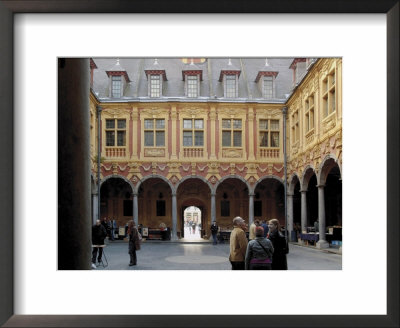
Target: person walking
259, 252
214, 232
134, 242
238, 244
99, 233
279, 243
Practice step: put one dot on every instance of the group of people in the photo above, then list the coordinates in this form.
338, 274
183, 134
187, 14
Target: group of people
264, 251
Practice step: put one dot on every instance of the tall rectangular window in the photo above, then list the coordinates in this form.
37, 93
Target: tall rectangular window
269, 133
230, 83
225, 208
115, 132
309, 113
329, 94
268, 87
154, 132
295, 126
155, 86
231, 133
193, 132
160, 210
192, 86
257, 208
116, 86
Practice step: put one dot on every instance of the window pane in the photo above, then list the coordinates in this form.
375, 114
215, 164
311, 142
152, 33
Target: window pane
226, 124
274, 139
110, 124
155, 86
187, 124
226, 138
110, 138
237, 139
230, 86
160, 124
192, 86
225, 208
198, 138
116, 86
268, 87
148, 138
263, 139
160, 136
121, 138
263, 124
275, 125
257, 208
198, 124
237, 124
121, 124
160, 204
148, 124
187, 138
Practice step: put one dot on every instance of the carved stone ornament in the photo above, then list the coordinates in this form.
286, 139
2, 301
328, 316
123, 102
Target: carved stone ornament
191, 112
213, 179
233, 112
115, 112
232, 153
328, 124
155, 112
174, 179
154, 152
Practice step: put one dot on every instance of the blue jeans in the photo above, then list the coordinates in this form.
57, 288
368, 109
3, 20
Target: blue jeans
214, 235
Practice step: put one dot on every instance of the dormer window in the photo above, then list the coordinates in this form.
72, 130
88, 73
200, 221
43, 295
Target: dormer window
117, 82
155, 86
116, 86
192, 86
299, 69
266, 82
230, 76
192, 75
155, 77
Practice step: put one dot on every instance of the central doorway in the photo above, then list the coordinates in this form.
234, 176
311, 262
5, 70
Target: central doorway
192, 222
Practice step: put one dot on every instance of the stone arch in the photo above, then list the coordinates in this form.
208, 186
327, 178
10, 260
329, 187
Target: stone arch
266, 177
292, 183
154, 176
219, 182
308, 172
116, 176
193, 177
326, 166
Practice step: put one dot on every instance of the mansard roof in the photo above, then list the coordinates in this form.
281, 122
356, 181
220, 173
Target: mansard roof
211, 89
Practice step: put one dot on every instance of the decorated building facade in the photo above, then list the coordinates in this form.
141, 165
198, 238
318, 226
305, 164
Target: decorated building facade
209, 133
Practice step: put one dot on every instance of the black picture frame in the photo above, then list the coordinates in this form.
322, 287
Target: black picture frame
7, 11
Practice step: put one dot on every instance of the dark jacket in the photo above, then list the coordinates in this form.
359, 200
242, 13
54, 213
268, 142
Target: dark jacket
280, 250
214, 229
98, 234
256, 251
134, 242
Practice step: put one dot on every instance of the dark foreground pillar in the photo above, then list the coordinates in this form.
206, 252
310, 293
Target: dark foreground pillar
74, 217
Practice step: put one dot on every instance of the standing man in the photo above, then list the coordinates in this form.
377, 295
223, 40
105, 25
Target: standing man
265, 227
238, 244
214, 232
252, 230
98, 235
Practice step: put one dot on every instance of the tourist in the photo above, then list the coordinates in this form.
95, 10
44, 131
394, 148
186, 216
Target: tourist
238, 244
98, 235
279, 243
134, 242
214, 232
264, 224
259, 252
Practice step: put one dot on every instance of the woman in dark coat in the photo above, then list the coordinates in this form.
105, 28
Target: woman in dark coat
280, 245
134, 243
98, 235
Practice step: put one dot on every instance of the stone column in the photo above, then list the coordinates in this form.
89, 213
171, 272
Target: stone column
303, 210
213, 208
251, 134
95, 206
174, 218
135, 209
290, 216
135, 117
74, 195
251, 208
322, 243
213, 117
174, 117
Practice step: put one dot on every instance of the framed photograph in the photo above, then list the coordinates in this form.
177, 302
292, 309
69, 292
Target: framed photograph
145, 232
246, 33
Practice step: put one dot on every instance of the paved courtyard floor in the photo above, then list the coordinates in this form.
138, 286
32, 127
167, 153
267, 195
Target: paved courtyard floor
205, 256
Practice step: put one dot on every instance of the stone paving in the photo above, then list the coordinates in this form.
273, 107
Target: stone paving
159, 255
